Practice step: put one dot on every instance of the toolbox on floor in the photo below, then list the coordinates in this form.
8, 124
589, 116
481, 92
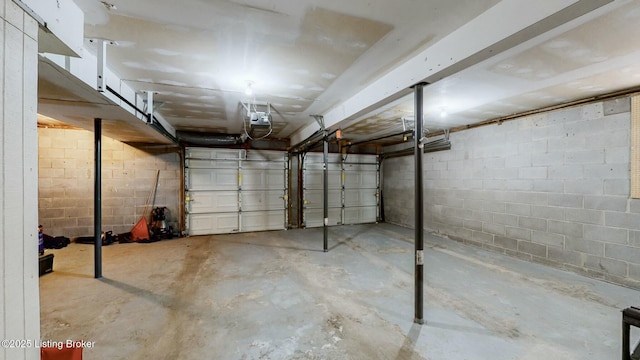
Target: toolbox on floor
46, 263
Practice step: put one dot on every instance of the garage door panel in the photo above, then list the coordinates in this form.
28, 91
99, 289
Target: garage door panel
262, 158
320, 166
360, 197
315, 217
263, 200
263, 220
263, 179
314, 198
263, 165
219, 223
212, 201
211, 164
314, 179
360, 215
318, 158
315, 161
218, 179
360, 167
205, 153
359, 180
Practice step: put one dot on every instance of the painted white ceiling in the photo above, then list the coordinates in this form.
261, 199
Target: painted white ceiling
307, 57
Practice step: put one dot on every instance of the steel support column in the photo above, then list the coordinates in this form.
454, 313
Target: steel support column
419, 240
97, 198
326, 192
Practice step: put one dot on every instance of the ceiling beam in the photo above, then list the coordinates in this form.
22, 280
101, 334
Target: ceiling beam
500, 28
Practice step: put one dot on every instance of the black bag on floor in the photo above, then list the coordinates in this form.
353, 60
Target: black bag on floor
107, 239
57, 242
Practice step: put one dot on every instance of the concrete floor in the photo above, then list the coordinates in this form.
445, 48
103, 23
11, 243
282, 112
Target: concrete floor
276, 295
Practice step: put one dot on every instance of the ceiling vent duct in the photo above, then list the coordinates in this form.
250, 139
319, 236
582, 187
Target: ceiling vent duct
209, 139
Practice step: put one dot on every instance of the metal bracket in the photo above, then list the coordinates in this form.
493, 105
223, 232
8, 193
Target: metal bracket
150, 107
320, 120
405, 123
101, 84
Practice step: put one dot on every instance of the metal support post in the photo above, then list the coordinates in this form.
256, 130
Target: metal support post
300, 190
419, 241
326, 192
97, 198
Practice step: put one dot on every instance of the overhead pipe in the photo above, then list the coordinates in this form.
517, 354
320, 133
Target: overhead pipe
437, 145
207, 139
315, 137
312, 141
406, 132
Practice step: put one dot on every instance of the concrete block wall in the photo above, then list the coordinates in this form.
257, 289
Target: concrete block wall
553, 188
66, 166
19, 294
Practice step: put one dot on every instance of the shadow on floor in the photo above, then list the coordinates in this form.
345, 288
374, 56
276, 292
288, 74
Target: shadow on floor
408, 349
155, 298
70, 274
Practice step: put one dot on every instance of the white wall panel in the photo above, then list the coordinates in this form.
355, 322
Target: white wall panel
19, 299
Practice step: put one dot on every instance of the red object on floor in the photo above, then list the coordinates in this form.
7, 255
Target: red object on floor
61, 353
140, 230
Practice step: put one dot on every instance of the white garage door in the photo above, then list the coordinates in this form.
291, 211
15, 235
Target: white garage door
230, 191
313, 190
361, 186
353, 189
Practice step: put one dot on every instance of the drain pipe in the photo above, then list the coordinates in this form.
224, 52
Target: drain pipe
97, 199
419, 241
